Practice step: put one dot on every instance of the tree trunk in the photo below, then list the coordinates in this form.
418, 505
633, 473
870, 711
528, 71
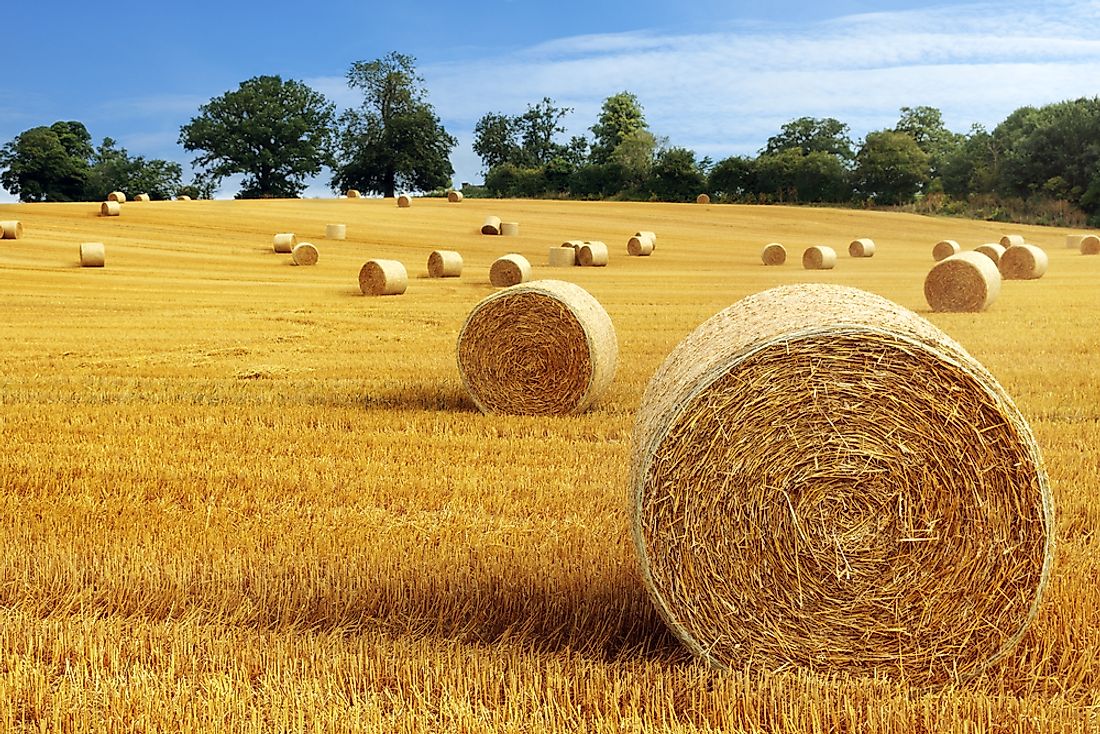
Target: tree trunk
389, 184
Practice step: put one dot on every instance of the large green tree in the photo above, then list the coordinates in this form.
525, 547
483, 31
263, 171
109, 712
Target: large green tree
47, 163
813, 135
275, 133
890, 167
621, 116
925, 125
394, 139
790, 175
113, 169
676, 175
733, 178
527, 140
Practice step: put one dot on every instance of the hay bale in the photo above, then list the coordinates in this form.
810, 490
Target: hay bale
575, 244
354, 194
968, 281
773, 254
509, 229
404, 201
823, 479
639, 246
542, 348
993, 250
454, 196
336, 231
304, 254
648, 233
819, 257
944, 249
117, 196
1011, 240
1023, 262
11, 229
92, 255
183, 197
1073, 241
562, 257
1090, 245
383, 278
110, 209
444, 264
142, 197
593, 254
509, 270
702, 199
863, 247
491, 226
284, 242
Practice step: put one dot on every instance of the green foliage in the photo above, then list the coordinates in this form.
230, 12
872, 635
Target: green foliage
890, 167
813, 135
676, 175
47, 163
733, 178
598, 181
114, 170
273, 132
496, 140
635, 157
526, 140
791, 176
621, 117
508, 180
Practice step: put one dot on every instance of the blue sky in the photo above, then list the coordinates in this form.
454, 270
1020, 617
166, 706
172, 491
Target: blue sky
717, 77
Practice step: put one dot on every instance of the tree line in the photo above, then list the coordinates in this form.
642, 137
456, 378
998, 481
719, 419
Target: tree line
1040, 163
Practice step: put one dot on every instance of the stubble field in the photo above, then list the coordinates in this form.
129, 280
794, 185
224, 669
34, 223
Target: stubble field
237, 495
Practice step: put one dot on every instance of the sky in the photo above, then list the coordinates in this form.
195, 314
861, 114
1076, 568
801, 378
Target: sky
717, 77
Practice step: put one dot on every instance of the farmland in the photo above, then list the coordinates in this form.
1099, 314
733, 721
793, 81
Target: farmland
238, 495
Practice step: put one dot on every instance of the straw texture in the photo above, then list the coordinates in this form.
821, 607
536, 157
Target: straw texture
444, 264
304, 254
992, 250
639, 246
819, 257
11, 229
702, 199
117, 196
968, 281
1012, 240
509, 229
454, 196
862, 247
354, 194
284, 242
562, 257
110, 209
593, 254
142, 197
491, 226
509, 270
336, 231
1073, 241
1090, 245
1023, 262
648, 233
773, 254
404, 201
92, 255
542, 348
944, 249
383, 278
823, 479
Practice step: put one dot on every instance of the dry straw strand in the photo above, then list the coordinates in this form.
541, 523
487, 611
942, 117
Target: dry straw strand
444, 264
968, 281
640, 245
944, 249
110, 209
383, 278
404, 201
1012, 240
11, 229
117, 196
862, 247
284, 242
562, 257
593, 254
454, 196
702, 199
1023, 262
509, 270
543, 348
1090, 245
304, 253
336, 231
92, 255
509, 229
491, 226
819, 257
799, 499
773, 254
993, 250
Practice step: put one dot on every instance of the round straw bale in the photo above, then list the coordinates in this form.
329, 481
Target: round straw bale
773, 254
509, 270
92, 255
992, 250
542, 348
183, 197
11, 229
110, 209
639, 246
945, 248
1090, 245
1073, 241
304, 254
650, 234
575, 244
284, 242
562, 257
823, 479
1012, 239
354, 194
454, 196
702, 199
444, 264
863, 247
491, 226
383, 278
593, 254
141, 197
336, 231
819, 257
509, 229
1023, 262
404, 201
968, 281
117, 196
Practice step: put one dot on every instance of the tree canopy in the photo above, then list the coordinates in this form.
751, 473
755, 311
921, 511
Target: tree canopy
621, 117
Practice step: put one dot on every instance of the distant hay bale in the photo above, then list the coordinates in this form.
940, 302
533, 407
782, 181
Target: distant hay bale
968, 281
142, 197
1023, 262
944, 249
773, 254
383, 278
110, 209
92, 255
1073, 241
336, 231
183, 197
819, 257
1010, 240
542, 348
509, 270
862, 247
454, 196
509, 229
993, 250
639, 246
444, 264
648, 233
404, 201
702, 199
1090, 245
284, 242
822, 479
304, 254
491, 226
574, 244
354, 194
11, 229
593, 254
116, 196
562, 257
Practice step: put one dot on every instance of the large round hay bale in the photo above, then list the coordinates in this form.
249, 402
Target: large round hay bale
992, 250
454, 196
1073, 241
562, 257
1011, 240
509, 229
491, 226
1090, 245
639, 246
823, 479
11, 229
404, 201
862, 247
444, 264
1023, 262
383, 278
336, 231
542, 348
142, 197
284, 242
509, 270
117, 196
110, 209
354, 194
304, 254
574, 244
773, 254
702, 199
819, 257
183, 197
944, 249
968, 281
593, 254
648, 233
92, 255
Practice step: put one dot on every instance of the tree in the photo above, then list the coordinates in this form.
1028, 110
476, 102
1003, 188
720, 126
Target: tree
635, 156
620, 117
791, 176
395, 138
890, 167
526, 140
676, 175
810, 135
733, 177
113, 169
273, 132
925, 125
47, 163
496, 140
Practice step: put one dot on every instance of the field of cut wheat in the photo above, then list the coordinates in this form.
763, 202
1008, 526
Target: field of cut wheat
237, 495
